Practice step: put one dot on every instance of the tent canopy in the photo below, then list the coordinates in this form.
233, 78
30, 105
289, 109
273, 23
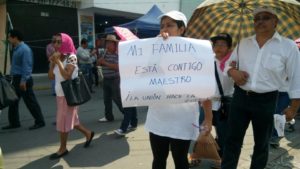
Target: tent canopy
145, 26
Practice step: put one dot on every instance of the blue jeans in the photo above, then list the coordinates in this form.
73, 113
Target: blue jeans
86, 69
130, 117
283, 102
201, 116
53, 87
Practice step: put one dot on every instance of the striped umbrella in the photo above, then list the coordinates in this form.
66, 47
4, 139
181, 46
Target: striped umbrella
236, 18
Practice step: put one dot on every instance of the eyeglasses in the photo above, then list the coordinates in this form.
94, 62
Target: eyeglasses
220, 45
262, 18
56, 41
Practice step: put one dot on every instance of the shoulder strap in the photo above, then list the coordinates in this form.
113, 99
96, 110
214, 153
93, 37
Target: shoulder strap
218, 81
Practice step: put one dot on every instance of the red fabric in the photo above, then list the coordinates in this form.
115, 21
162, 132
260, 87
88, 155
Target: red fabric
222, 62
124, 33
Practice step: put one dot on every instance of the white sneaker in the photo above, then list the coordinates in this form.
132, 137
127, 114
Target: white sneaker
131, 128
120, 132
103, 119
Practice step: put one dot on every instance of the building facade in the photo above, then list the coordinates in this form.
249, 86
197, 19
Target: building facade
188, 7
40, 19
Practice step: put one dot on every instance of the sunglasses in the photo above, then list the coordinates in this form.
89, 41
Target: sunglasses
262, 18
56, 41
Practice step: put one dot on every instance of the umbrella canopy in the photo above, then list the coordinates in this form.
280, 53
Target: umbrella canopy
236, 18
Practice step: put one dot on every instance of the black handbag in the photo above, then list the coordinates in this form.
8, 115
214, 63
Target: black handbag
76, 90
7, 93
225, 100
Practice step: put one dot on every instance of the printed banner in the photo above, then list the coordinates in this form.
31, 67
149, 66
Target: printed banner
157, 71
87, 29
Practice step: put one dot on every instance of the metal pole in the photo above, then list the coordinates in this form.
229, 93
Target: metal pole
9, 21
6, 47
242, 5
8, 27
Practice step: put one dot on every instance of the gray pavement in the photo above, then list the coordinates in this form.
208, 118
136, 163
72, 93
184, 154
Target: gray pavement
31, 149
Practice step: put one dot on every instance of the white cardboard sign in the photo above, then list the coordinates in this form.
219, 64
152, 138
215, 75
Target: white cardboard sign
157, 71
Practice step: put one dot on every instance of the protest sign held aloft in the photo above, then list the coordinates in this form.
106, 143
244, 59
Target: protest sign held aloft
157, 71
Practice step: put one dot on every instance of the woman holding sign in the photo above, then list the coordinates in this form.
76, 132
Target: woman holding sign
171, 126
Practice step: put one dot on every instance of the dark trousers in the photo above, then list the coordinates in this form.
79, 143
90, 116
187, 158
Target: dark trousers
246, 107
95, 73
160, 149
130, 117
29, 100
221, 129
111, 92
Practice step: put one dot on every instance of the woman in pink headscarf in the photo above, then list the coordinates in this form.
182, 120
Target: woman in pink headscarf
64, 66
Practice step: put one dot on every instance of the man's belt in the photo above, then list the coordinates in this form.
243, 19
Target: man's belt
253, 93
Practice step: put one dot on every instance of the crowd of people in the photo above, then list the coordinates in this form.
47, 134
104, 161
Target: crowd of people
261, 77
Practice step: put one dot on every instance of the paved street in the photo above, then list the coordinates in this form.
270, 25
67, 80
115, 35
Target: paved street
31, 149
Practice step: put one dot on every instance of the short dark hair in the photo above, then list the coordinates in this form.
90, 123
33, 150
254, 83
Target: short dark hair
179, 25
222, 36
83, 41
16, 34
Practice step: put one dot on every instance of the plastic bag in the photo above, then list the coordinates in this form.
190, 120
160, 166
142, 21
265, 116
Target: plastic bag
279, 123
206, 147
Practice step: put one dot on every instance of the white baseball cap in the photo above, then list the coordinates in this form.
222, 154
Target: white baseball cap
176, 15
264, 9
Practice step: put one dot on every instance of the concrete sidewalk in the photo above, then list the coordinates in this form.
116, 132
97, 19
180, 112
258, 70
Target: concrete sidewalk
31, 149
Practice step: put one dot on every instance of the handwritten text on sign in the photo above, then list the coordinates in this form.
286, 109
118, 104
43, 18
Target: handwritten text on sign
157, 71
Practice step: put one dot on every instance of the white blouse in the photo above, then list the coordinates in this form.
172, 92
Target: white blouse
227, 86
174, 120
72, 59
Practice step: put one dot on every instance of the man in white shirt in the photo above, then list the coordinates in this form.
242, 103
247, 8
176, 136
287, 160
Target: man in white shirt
85, 60
263, 61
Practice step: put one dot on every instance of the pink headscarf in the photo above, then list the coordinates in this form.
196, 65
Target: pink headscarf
67, 45
298, 42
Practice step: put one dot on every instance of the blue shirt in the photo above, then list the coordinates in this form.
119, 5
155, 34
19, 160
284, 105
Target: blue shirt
22, 61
